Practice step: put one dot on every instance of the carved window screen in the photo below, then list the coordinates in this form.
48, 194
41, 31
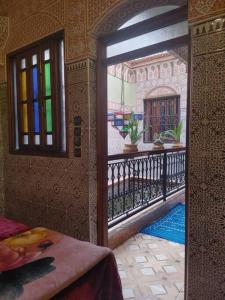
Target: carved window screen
37, 108
160, 114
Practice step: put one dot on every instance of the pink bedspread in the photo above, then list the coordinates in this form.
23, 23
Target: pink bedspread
9, 228
40, 264
101, 283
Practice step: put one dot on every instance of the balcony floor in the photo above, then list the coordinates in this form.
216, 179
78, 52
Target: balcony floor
151, 268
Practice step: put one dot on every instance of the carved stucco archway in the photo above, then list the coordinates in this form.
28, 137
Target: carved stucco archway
124, 10
160, 91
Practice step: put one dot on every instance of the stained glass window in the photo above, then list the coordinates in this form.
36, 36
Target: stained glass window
24, 85
36, 99
49, 115
35, 82
47, 80
24, 118
39, 97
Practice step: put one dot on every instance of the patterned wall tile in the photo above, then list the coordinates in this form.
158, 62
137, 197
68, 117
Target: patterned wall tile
206, 169
47, 179
29, 15
101, 21
3, 106
61, 201
200, 9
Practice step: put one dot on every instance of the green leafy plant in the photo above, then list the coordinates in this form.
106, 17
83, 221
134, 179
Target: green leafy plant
133, 130
158, 139
175, 133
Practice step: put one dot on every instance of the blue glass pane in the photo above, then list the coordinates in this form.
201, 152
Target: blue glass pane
36, 118
118, 122
110, 116
35, 82
138, 117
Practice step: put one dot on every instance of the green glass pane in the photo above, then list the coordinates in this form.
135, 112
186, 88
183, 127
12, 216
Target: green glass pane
125, 128
47, 80
49, 115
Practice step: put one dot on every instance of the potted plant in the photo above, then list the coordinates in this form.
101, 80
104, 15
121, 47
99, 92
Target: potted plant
134, 134
158, 141
174, 134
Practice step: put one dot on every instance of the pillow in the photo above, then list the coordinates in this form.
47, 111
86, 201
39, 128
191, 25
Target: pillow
9, 228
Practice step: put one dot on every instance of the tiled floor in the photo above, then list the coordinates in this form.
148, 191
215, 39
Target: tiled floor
151, 268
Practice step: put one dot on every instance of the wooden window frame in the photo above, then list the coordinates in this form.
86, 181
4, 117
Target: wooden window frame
162, 98
53, 43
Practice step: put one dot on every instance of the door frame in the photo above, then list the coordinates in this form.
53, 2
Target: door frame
166, 19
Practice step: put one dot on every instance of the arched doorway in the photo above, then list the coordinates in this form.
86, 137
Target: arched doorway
106, 31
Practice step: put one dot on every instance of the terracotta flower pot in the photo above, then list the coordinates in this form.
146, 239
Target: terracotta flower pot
158, 147
130, 148
177, 145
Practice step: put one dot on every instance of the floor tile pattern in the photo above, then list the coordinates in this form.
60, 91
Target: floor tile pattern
151, 268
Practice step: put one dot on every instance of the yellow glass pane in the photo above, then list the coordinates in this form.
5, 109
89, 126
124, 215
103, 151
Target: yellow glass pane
23, 85
24, 118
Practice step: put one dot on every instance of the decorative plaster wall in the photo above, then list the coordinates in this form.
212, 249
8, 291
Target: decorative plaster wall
200, 9
30, 20
54, 193
101, 21
3, 128
206, 245
4, 33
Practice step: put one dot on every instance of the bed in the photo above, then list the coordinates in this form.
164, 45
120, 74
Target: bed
39, 264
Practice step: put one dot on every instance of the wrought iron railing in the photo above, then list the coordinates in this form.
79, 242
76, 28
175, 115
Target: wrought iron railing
141, 179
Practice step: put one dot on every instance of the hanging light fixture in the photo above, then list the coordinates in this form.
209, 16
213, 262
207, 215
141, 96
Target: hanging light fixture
120, 119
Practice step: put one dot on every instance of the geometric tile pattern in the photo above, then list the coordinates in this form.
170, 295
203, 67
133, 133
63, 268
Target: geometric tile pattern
2, 127
150, 272
200, 9
206, 166
60, 192
53, 191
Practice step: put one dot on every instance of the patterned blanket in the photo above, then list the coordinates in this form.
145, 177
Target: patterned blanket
39, 263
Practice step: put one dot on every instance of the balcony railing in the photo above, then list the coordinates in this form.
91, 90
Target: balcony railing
139, 180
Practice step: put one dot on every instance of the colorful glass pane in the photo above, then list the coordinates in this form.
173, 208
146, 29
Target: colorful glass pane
25, 139
23, 63
47, 80
24, 118
49, 115
23, 85
49, 139
47, 54
36, 118
34, 59
35, 82
37, 139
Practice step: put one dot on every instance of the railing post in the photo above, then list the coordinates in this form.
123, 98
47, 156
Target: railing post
164, 175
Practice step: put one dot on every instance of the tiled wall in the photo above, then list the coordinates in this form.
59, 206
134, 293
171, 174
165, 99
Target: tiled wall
2, 136
61, 193
202, 9
207, 139
54, 192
